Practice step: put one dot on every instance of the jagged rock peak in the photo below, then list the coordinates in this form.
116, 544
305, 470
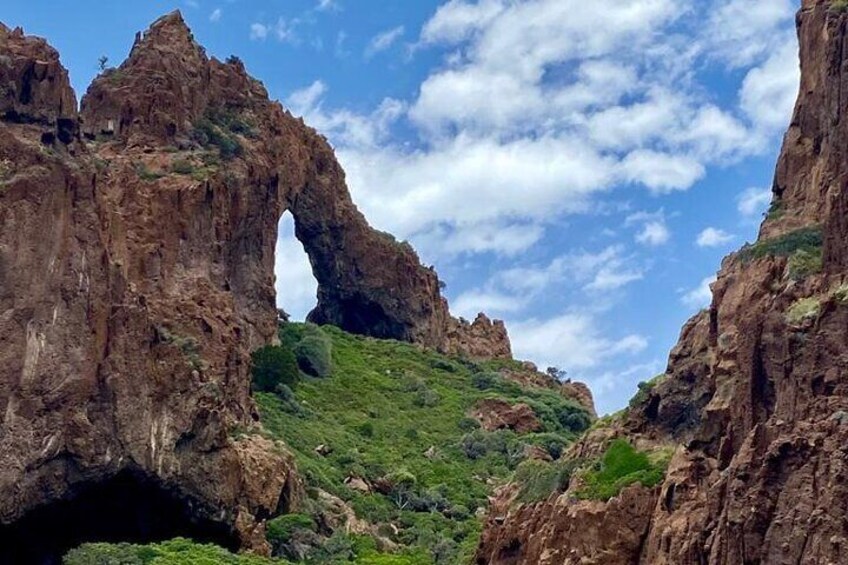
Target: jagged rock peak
36, 87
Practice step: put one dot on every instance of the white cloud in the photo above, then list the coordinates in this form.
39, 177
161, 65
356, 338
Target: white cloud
215, 16
296, 287
327, 6
383, 41
258, 32
284, 30
654, 234
742, 32
570, 341
700, 296
455, 20
754, 201
768, 92
713, 237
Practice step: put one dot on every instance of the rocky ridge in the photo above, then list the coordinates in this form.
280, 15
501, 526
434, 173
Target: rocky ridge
136, 275
754, 401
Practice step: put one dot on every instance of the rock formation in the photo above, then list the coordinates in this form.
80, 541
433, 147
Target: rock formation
136, 275
755, 400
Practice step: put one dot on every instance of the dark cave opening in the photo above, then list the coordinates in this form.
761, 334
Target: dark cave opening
129, 507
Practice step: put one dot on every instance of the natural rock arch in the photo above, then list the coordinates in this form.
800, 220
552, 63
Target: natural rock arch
131, 293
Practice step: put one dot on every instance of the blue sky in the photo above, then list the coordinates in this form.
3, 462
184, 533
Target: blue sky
576, 168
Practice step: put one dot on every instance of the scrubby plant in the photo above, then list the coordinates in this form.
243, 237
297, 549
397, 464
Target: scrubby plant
803, 310
271, 366
221, 128
281, 529
146, 174
538, 480
807, 239
178, 551
840, 293
315, 354
426, 398
839, 5
620, 466
182, 167
803, 263
485, 380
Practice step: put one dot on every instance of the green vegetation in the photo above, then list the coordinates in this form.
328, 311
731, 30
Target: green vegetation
183, 167
222, 128
622, 465
803, 310
840, 293
272, 366
5, 169
807, 239
396, 416
188, 345
175, 552
146, 174
644, 390
839, 5
803, 263
776, 209
538, 480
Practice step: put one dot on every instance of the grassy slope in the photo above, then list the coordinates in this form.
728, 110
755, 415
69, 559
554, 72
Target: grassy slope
368, 414
383, 407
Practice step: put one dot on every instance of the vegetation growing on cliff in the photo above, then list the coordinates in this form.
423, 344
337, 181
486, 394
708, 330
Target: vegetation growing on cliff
808, 239
620, 466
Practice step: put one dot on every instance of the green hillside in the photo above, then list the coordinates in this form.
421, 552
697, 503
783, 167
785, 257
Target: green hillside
392, 420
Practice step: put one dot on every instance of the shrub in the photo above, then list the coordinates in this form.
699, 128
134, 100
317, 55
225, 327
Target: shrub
803, 310
280, 530
803, 263
426, 398
146, 174
621, 465
315, 355
271, 366
839, 5
469, 424
644, 390
182, 167
805, 239
220, 129
443, 365
573, 418
484, 381
538, 480
474, 446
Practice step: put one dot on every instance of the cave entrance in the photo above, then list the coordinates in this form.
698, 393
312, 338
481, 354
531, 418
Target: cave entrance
297, 289
129, 507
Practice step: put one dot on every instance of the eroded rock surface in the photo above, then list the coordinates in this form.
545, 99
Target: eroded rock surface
756, 394
137, 273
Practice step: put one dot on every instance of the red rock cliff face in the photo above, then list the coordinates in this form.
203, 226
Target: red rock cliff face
755, 401
136, 275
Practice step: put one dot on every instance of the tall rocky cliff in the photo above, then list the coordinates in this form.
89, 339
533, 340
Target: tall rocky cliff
754, 402
136, 275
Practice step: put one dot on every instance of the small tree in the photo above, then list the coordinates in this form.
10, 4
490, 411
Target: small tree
557, 373
103, 62
273, 365
403, 487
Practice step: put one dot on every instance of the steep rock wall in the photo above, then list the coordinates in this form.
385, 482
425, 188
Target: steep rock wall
755, 401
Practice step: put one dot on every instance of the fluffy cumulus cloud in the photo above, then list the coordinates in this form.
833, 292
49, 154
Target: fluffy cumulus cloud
539, 111
713, 237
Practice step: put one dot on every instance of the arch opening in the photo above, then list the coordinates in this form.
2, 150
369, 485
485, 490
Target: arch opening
296, 286
129, 507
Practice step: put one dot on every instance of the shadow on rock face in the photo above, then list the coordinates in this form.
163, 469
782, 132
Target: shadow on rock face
130, 507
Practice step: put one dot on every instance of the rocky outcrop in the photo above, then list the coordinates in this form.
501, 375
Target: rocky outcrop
496, 414
480, 339
755, 396
137, 274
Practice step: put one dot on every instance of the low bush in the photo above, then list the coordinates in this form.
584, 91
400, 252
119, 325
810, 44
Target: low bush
538, 480
803, 310
807, 239
804, 263
182, 167
315, 354
484, 381
271, 366
178, 551
621, 465
280, 530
